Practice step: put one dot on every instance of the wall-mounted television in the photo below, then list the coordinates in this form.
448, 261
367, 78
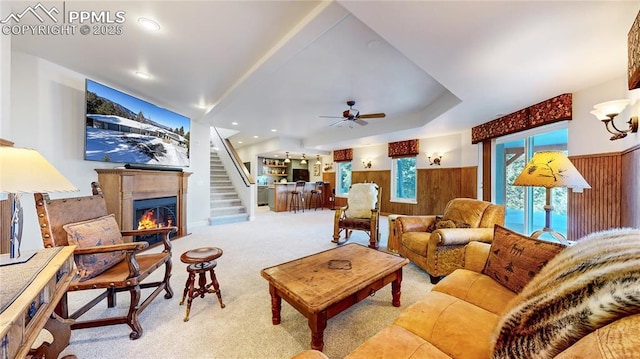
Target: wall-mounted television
121, 128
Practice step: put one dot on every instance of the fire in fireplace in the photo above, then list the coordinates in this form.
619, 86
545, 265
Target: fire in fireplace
155, 213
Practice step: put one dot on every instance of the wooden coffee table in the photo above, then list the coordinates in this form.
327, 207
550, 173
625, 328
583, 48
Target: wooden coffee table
324, 284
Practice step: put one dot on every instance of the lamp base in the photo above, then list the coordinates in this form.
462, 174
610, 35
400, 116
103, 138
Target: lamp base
6, 260
553, 233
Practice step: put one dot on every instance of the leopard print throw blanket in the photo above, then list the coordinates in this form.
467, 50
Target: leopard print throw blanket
585, 287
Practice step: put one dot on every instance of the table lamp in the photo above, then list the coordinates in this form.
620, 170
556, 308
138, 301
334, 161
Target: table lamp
24, 170
550, 169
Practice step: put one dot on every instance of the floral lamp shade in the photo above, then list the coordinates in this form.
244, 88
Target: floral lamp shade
550, 169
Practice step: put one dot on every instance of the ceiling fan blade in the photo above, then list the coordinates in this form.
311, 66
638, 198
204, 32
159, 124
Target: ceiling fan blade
373, 115
331, 116
337, 123
360, 122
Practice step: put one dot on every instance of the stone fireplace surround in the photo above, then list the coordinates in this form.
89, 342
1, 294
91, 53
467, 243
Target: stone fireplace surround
121, 187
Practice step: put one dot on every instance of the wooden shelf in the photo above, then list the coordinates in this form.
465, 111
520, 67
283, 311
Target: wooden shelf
276, 166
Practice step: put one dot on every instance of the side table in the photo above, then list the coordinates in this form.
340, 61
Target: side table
393, 242
32, 310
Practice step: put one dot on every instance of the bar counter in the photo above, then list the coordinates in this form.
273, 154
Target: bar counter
281, 195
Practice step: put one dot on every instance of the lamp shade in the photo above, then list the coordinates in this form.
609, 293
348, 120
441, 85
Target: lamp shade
611, 107
600, 115
550, 169
24, 170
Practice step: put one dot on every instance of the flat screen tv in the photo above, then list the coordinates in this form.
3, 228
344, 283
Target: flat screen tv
121, 128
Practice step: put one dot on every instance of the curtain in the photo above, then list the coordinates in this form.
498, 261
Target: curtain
343, 155
404, 148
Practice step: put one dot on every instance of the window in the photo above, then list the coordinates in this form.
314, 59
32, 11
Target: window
403, 183
525, 205
343, 178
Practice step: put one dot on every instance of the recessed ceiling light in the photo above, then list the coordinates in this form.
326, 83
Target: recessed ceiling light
149, 24
143, 75
239, 141
234, 123
255, 136
273, 130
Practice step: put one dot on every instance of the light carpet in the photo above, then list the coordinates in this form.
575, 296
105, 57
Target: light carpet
243, 329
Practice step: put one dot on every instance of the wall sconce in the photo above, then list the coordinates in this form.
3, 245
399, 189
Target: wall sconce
318, 160
366, 163
304, 160
607, 111
287, 160
437, 158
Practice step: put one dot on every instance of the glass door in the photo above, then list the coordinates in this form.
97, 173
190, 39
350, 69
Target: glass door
525, 205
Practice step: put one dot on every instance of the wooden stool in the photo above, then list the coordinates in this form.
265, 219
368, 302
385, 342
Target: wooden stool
296, 197
316, 193
200, 261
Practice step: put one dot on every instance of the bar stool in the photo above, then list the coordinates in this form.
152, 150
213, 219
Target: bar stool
296, 197
200, 261
317, 193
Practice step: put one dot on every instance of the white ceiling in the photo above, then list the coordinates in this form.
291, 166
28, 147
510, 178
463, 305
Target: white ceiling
434, 67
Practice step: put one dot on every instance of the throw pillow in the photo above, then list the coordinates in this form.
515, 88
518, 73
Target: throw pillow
445, 224
362, 197
92, 233
515, 258
585, 287
432, 226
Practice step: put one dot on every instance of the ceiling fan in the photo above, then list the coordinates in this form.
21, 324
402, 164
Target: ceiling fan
354, 115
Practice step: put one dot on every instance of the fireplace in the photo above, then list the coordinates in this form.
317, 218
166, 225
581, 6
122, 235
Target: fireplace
155, 213
121, 187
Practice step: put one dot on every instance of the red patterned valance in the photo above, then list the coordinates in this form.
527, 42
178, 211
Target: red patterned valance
404, 148
634, 54
543, 113
343, 155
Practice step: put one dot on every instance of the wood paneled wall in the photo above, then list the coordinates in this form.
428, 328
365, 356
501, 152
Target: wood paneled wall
630, 187
436, 187
614, 198
5, 226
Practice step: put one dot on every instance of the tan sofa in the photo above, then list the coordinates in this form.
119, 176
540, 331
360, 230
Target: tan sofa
440, 251
470, 315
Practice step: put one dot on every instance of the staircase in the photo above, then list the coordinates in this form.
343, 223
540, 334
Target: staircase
226, 206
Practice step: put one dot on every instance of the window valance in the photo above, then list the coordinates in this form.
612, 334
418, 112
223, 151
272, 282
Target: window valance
543, 113
343, 155
404, 148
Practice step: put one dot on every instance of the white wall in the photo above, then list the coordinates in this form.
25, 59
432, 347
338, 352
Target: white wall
456, 150
47, 114
587, 134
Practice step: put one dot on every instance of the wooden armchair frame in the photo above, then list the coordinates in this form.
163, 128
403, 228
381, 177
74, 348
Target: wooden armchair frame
347, 224
128, 275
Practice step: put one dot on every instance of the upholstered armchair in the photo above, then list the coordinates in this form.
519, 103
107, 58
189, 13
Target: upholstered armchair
361, 213
436, 243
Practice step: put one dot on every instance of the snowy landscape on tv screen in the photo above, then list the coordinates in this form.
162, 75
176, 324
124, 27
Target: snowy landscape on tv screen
123, 129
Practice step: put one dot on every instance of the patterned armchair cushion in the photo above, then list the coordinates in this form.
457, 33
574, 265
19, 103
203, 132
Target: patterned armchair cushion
93, 233
362, 198
514, 259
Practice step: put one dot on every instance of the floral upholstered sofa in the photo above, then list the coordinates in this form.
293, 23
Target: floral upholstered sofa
524, 298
